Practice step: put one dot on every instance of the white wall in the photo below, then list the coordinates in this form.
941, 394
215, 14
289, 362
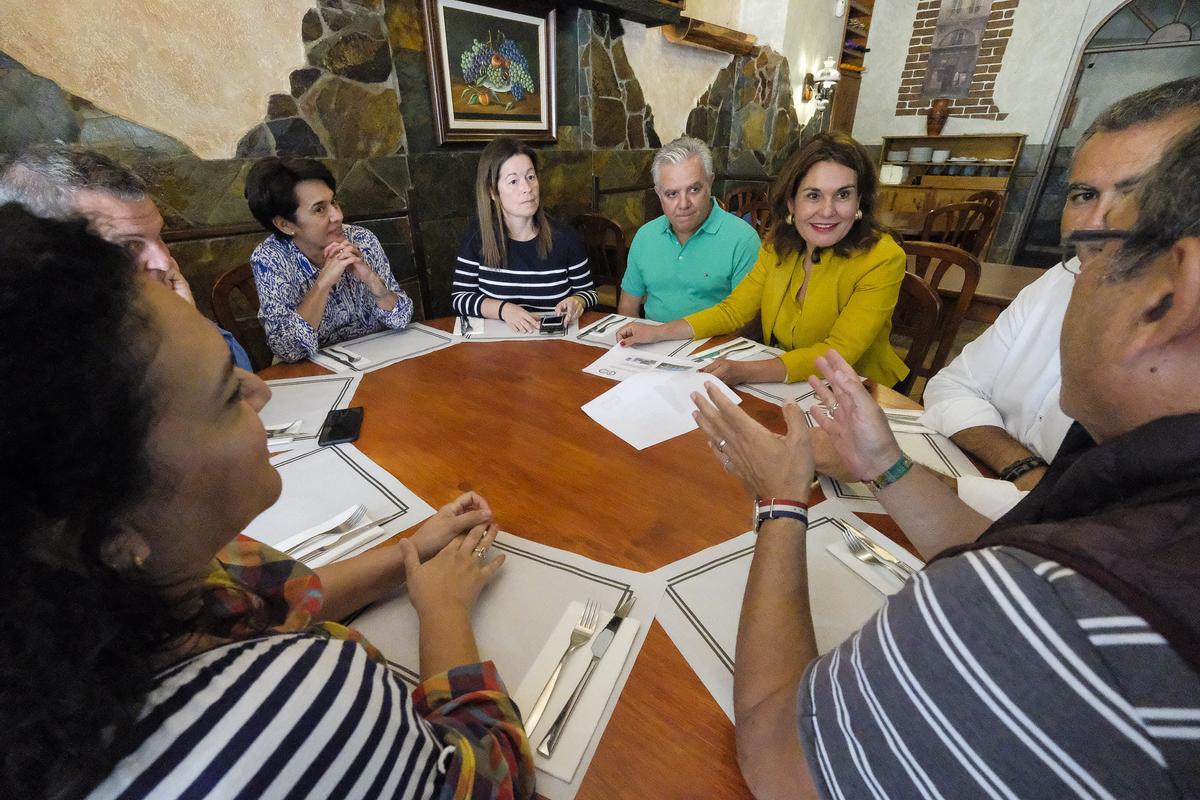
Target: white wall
1034, 81
811, 34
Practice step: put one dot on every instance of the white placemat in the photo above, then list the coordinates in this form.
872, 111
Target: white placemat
704, 598
518, 613
920, 444
319, 483
603, 333
379, 350
773, 392
308, 400
497, 330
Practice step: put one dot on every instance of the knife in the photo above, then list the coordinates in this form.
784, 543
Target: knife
595, 325
599, 648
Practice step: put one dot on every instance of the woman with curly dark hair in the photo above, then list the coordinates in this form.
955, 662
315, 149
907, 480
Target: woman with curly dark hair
150, 650
827, 276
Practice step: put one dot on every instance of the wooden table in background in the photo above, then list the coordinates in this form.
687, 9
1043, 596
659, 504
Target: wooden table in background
504, 419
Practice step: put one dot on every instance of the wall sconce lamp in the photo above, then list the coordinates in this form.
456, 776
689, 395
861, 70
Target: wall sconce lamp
825, 82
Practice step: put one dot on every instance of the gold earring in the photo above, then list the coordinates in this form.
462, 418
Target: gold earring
790, 221
139, 561
858, 214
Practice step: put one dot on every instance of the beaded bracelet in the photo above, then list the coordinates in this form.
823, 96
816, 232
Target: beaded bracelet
1019, 468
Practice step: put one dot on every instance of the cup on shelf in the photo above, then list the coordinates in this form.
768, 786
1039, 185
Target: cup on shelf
920, 155
940, 156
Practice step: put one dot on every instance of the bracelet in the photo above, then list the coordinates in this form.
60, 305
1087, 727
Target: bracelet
500, 310
1019, 468
892, 474
778, 507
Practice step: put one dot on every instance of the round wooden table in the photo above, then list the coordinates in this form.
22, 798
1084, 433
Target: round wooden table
504, 419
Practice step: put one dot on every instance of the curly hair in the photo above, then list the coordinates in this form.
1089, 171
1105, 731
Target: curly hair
79, 637
839, 148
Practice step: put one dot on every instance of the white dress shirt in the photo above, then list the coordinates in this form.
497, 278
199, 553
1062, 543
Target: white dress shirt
1010, 378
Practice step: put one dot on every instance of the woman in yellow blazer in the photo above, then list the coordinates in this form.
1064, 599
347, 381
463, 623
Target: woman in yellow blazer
827, 275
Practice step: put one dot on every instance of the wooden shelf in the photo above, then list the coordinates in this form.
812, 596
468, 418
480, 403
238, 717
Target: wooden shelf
861, 8
651, 13
698, 33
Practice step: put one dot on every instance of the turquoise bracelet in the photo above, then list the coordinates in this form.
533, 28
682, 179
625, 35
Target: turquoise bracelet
892, 474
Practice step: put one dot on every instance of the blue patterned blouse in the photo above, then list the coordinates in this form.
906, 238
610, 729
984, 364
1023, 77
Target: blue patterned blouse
284, 275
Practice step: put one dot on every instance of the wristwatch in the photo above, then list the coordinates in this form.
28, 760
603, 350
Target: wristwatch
892, 474
777, 507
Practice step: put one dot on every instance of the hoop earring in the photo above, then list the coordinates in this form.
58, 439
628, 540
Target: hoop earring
790, 220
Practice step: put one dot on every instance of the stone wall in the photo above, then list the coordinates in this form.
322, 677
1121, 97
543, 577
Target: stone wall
361, 103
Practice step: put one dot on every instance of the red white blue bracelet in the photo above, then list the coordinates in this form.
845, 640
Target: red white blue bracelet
778, 507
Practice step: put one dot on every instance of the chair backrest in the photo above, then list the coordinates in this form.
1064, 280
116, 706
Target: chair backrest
605, 243
964, 225
932, 261
735, 202
989, 198
916, 317
239, 316
759, 212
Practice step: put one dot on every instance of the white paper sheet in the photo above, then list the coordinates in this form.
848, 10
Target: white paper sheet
497, 330
320, 482
774, 392
518, 613
704, 598
603, 333
619, 363
379, 350
921, 445
307, 400
647, 409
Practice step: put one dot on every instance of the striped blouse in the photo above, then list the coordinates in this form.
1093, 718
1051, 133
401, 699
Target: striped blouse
303, 715
999, 674
537, 284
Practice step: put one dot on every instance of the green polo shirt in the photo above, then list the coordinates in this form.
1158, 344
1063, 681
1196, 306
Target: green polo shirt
680, 280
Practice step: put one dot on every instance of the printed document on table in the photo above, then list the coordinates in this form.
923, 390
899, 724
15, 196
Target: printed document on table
646, 409
620, 363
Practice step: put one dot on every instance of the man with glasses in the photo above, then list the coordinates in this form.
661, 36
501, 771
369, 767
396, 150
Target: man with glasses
1058, 656
999, 400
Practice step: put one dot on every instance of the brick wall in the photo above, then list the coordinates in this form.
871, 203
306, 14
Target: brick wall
979, 103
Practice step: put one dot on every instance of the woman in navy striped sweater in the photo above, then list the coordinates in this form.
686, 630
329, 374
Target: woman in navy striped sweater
514, 260
149, 651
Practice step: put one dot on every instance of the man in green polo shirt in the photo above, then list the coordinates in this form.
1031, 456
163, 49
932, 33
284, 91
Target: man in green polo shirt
692, 256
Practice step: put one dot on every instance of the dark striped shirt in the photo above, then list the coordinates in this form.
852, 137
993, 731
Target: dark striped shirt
296, 715
999, 674
524, 278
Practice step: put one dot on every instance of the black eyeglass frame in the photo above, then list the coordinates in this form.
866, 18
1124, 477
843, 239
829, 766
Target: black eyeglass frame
1089, 236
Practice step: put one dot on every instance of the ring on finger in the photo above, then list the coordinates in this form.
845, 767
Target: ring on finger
481, 551
721, 445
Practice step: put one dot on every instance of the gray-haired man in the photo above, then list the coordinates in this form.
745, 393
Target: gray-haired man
60, 181
692, 256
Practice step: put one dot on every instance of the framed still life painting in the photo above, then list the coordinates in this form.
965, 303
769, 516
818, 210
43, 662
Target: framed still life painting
491, 69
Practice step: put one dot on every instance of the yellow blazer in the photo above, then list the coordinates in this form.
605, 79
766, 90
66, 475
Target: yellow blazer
848, 306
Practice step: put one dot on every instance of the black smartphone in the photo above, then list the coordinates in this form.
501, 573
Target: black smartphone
341, 425
553, 323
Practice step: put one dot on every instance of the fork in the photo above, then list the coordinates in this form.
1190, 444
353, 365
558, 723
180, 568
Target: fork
350, 522
346, 354
859, 550
579, 637
602, 328
358, 530
467, 330
722, 353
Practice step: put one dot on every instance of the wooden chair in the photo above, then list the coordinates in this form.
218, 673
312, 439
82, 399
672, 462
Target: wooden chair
916, 317
736, 202
932, 261
605, 243
964, 225
759, 212
989, 198
235, 305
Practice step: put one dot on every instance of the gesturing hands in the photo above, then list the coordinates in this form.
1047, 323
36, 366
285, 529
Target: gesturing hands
854, 423
768, 464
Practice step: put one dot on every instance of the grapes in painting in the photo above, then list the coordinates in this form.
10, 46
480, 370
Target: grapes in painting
493, 68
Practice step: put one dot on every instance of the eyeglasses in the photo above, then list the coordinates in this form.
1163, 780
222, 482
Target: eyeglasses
1087, 245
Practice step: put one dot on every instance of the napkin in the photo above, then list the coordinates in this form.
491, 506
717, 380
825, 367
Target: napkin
878, 576
585, 720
